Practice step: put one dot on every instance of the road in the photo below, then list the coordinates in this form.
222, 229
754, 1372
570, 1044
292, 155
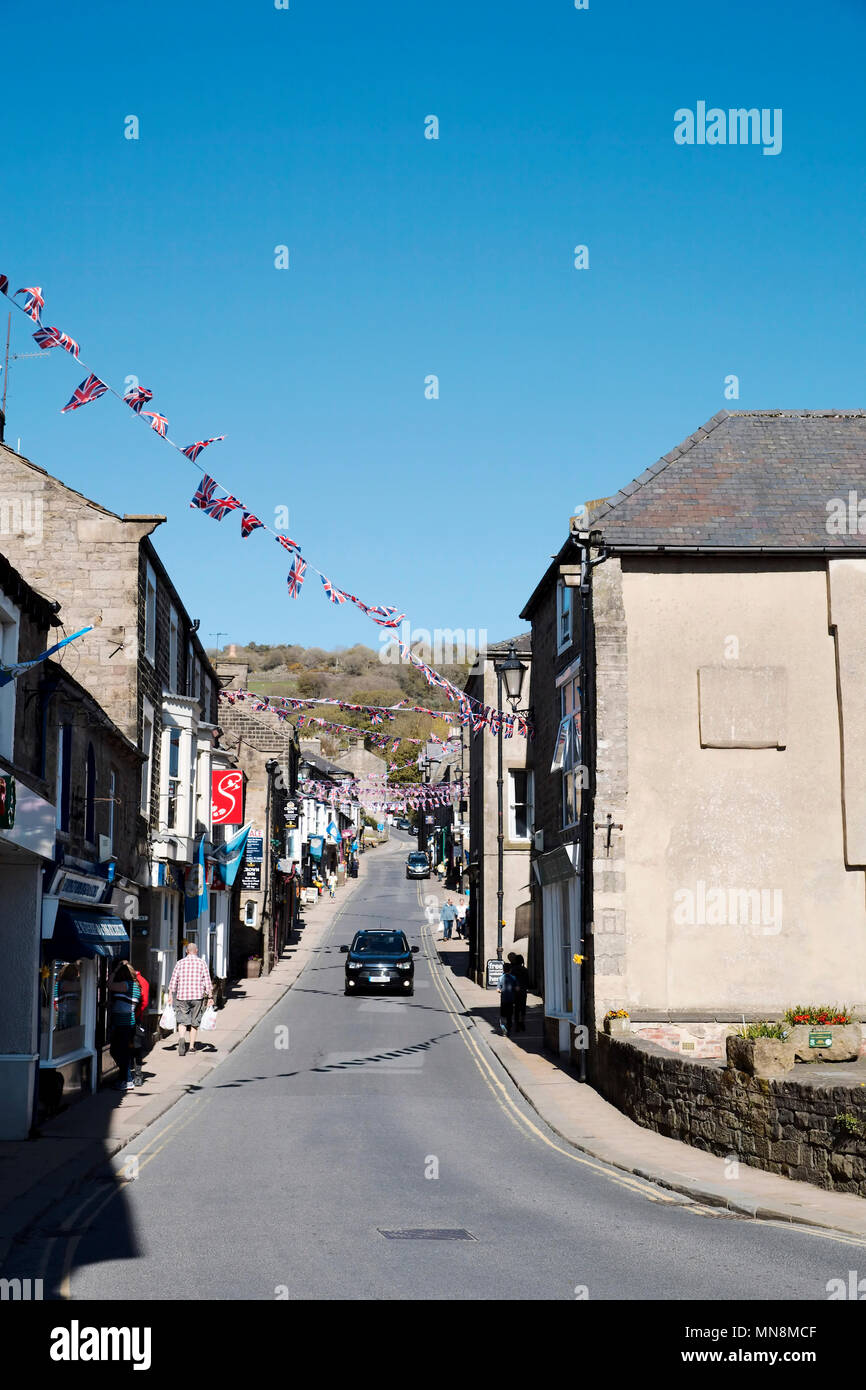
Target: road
278, 1176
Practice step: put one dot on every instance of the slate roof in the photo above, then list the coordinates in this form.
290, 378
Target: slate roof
745, 479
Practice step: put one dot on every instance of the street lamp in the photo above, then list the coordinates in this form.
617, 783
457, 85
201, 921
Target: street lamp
509, 672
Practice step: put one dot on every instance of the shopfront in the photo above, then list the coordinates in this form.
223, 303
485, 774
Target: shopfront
77, 959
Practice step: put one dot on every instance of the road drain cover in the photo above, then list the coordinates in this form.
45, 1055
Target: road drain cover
459, 1234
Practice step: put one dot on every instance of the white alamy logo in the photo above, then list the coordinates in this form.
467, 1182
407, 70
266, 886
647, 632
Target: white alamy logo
736, 126
846, 518
760, 908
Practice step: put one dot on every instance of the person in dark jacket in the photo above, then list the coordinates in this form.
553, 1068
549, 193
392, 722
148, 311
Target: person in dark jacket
507, 993
521, 976
124, 994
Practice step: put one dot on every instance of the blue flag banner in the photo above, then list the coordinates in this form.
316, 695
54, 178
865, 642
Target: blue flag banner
316, 845
196, 888
229, 855
10, 673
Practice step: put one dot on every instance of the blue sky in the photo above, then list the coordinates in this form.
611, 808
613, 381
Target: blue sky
409, 257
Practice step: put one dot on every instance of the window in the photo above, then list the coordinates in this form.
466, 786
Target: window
150, 615
63, 785
112, 798
206, 700
250, 910
8, 657
61, 1003
173, 760
173, 652
521, 811
563, 616
90, 796
197, 688
147, 750
567, 753
190, 669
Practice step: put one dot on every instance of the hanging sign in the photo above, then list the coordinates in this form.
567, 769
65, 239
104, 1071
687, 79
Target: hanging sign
227, 796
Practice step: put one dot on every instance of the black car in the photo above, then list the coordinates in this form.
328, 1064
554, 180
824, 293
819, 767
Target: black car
417, 865
380, 960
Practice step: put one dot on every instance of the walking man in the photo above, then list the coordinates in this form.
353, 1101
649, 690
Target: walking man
507, 994
521, 976
448, 915
190, 986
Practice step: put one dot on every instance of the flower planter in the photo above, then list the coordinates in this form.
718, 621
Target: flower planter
844, 1047
617, 1027
254, 969
762, 1057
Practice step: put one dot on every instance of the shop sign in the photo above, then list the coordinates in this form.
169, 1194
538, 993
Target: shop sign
820, 1039
255, 847
495, 971
7, 801
251, 877
78, 889
227, 797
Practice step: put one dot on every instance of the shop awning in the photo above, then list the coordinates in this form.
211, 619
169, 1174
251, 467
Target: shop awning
79, 934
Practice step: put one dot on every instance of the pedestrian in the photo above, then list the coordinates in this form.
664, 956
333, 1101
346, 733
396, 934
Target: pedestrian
124, 995
189, 987
332, 884
507, 991
448, 915
521, 975
462, 908
139, 1035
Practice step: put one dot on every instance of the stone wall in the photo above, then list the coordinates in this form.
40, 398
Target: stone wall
785, 1126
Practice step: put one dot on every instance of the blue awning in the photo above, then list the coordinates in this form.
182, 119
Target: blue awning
79, 934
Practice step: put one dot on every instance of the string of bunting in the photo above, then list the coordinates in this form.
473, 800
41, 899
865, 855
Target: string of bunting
482, 718
215, 501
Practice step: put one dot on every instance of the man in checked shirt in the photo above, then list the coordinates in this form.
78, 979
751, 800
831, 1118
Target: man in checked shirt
190, 986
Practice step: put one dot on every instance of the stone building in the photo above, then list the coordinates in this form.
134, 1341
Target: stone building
70, 853
518, 807
146, 666
704, 827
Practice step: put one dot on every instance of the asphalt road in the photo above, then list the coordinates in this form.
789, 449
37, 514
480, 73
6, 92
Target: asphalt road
279, 1175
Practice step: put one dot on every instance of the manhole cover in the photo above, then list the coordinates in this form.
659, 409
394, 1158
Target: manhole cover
459, 1234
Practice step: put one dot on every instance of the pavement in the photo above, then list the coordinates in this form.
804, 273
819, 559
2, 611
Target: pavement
38, 1172
581, 1116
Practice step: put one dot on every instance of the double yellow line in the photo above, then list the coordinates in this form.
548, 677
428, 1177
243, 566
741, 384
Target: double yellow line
507, 1103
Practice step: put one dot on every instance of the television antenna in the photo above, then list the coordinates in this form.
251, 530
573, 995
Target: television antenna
12, 357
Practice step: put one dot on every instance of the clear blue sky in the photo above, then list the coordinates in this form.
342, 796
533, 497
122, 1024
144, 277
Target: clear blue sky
408, 256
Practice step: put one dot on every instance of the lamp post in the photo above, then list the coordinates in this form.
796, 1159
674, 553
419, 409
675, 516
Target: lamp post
509, 672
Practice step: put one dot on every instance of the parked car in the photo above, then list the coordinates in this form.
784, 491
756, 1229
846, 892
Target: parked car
417, 865
380, 960
403, 823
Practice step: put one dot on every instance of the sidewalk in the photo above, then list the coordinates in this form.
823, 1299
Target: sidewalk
578, 1114
36, 1173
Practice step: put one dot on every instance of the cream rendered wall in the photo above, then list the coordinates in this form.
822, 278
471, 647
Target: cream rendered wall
735, 817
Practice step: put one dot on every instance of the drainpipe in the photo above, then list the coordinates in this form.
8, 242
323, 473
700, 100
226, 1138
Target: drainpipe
588, 751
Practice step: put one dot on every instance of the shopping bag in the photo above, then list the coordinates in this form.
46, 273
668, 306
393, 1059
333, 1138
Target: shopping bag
208, 1019
168, 1021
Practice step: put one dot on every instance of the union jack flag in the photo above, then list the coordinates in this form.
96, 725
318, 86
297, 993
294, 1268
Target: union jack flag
221, 506
334, 594
287, 543
52, 337
157, 422
508, 726
395, 745
479, 720
495, 723
192, 451
4, 284
136, 397
375, 717
34, 303
386, 617
89, 390
296, 575
204, 494
249, 523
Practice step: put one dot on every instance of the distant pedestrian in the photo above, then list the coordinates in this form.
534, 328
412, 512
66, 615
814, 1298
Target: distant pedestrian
332, 884
507, 993
125, 996
521, 976
448, 916
189, 987
462, 909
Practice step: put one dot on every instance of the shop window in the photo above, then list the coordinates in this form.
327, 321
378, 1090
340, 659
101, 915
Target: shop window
62, 1009
561, 906
250, 913
90, 796
173, 785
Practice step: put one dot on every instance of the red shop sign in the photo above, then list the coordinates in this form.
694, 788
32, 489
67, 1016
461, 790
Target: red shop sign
227, 797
